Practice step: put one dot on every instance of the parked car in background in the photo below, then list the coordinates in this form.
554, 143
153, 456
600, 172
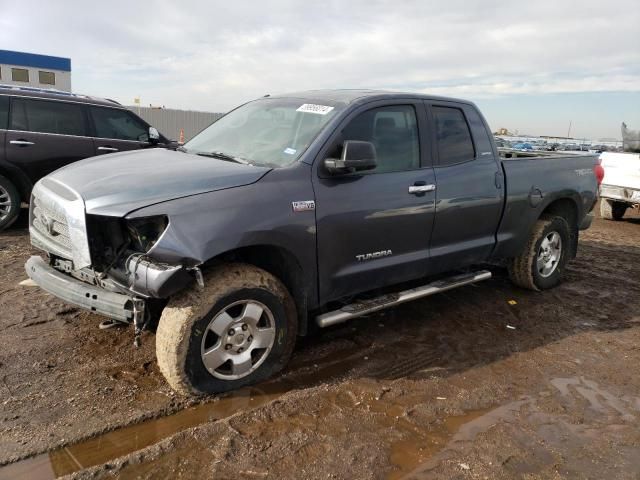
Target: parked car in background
502, 143
316, 207
42, 130
522, 146
620, 188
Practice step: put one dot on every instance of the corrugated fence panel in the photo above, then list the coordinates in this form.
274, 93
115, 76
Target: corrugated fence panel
169, 121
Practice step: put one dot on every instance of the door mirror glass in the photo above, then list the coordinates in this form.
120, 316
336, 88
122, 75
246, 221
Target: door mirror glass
154, 135
356, 156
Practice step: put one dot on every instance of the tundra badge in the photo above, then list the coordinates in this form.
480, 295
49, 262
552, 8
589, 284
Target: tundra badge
372, 255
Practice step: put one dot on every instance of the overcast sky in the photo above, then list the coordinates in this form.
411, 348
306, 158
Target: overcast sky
531, 66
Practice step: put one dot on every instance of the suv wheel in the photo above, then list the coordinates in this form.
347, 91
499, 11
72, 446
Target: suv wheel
9, 203
541, 264
239, 330
612, 210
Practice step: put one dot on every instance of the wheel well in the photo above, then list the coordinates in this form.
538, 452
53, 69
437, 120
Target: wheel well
566, 208
280, 263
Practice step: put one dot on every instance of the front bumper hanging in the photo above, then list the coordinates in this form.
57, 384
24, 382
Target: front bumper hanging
94, 299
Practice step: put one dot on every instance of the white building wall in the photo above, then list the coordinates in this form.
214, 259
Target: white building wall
63, 79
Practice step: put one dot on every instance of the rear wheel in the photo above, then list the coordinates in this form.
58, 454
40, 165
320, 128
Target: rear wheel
541, 264
239, 330
612, 210
9, 203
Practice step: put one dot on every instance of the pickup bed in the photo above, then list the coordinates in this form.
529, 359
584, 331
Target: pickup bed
296, 211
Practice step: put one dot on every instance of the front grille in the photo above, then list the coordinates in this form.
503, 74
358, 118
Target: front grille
57, 222
49, 229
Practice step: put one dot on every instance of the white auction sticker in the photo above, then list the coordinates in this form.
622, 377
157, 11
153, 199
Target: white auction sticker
312, 108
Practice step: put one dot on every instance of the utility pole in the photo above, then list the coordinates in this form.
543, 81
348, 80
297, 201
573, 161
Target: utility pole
569, 132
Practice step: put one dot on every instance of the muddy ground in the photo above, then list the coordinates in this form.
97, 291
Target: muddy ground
488, 381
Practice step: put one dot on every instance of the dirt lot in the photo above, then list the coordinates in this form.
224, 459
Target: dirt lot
488, 381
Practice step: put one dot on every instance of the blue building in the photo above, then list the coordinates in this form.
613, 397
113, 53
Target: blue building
33, 70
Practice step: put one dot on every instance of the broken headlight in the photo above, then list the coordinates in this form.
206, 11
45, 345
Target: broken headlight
145, 232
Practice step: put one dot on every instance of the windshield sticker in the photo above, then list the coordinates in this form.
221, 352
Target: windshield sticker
312, 108
290, 151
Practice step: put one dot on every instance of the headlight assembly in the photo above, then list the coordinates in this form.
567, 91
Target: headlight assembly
145, 231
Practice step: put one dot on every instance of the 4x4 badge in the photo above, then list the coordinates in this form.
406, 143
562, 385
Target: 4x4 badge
303, 206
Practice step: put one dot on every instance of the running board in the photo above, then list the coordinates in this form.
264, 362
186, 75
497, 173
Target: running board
363, 307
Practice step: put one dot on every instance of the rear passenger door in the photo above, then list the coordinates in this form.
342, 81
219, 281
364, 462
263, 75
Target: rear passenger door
45, 135
469, 193
117, 130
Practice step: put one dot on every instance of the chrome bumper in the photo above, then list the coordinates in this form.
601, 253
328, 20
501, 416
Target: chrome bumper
91, 298
623, 194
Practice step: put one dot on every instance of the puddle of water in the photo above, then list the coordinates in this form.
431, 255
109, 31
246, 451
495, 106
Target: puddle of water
117, 443
599, 399
423, 450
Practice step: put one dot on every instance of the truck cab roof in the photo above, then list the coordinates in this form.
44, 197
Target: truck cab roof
348, 96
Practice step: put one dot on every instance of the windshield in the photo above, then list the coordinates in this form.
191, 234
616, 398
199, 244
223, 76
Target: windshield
266, 132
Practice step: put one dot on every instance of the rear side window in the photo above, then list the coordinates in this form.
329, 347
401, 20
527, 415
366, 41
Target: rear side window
453, 136
4, 113
118, 124
48, 117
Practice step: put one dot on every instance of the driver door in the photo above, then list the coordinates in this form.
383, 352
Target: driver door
371, 230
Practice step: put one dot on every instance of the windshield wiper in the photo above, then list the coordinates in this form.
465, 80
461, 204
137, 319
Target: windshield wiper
223, 156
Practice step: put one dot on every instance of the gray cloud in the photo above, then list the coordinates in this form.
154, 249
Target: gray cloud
213, 55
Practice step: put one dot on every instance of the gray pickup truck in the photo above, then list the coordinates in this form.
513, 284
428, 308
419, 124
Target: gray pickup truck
298, 211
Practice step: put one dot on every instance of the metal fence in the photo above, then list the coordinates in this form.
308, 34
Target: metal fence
169, 121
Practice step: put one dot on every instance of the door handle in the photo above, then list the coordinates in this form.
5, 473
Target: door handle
421, 188
22, 143
107, 149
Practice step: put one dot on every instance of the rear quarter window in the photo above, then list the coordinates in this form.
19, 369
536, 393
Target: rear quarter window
479, 131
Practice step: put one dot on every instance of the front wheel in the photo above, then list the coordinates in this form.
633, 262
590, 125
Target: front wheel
239, 330
541, 263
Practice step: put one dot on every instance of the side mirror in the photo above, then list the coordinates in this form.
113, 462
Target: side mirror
154, 135
356, 156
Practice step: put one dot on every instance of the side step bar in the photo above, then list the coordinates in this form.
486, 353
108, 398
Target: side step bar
363, 307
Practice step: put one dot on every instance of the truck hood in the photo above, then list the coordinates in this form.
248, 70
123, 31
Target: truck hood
119, 183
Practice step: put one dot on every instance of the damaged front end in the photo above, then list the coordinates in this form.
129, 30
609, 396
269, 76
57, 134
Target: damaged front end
99, 263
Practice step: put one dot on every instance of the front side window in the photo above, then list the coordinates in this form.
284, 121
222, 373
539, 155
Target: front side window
47, 78
48, 117
393, 130
118, 124
19, 74
454, 138
271, 132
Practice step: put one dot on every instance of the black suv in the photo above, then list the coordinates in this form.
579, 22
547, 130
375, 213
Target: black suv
43, 130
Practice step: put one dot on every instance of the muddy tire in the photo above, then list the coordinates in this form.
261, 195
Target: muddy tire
541, 264
237, 331
611, 210
9, 203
